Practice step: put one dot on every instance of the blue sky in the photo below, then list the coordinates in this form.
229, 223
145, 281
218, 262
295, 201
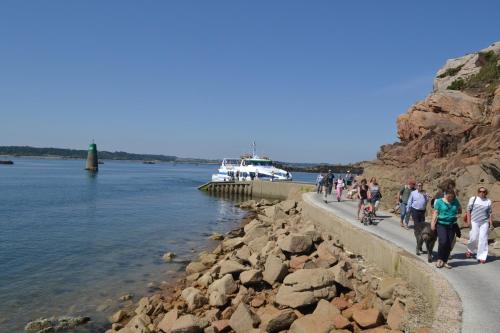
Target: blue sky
309, 81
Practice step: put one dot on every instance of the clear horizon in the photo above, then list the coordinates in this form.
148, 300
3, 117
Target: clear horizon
318, 82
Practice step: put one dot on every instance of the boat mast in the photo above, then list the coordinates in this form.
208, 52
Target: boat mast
254, 150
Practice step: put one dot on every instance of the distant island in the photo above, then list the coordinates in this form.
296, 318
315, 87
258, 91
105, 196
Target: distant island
28, 151
103, 155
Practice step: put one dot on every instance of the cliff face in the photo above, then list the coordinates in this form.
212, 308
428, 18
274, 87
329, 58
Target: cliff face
454, 133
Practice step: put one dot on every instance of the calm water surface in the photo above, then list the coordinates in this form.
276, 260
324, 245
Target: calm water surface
72, 243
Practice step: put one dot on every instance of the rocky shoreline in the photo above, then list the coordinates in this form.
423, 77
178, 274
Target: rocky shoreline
278, 273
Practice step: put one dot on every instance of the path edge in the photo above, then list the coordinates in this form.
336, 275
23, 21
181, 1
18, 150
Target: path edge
446, 304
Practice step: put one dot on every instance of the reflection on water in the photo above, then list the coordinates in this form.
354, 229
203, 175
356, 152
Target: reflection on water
73, 242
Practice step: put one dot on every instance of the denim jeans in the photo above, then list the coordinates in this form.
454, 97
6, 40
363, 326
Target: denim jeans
405, 217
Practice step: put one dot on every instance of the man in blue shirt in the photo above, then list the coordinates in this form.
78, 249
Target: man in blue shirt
417, 203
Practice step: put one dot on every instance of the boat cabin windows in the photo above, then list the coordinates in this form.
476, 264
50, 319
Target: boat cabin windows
257, 162
231, 161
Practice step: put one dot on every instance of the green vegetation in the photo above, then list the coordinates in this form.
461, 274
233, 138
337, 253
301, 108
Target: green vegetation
458, 84
488, 77
103, 155
450, 72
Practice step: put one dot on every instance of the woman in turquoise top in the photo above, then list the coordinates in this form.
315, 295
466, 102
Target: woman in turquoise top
444, 219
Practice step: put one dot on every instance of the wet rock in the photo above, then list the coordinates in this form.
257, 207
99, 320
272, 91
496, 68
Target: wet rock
118, 316
195, 267
243, 319
216, 236
126, 297
295, 243
55, 324
168, 256
305, 287
274, 270
138, 324
208, 259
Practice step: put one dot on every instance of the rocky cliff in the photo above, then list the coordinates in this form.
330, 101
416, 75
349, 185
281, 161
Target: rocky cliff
454, 133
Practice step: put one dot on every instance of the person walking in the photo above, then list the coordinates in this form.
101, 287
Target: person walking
444, 218
374, 195
417, 204
340, 188
319, 183
362, 195
480, 219
404, 195
328, 182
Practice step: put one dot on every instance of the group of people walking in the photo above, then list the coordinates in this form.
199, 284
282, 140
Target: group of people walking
446, 210
413, 202
327, 183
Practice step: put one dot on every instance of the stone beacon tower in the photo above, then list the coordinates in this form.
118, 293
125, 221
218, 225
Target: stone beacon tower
92, 161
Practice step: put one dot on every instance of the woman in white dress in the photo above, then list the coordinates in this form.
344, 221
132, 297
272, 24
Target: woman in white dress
480, 220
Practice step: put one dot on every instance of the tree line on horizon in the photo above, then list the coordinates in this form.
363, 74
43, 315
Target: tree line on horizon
121, 155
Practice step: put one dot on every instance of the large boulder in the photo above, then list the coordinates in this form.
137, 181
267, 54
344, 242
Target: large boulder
189, 324
168, 320
274, 270
194, 298
225, 285
310, 324
305, 287
295, 243
230, 267
243, 319
250, 277
275, 320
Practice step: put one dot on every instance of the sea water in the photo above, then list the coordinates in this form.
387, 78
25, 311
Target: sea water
73, 242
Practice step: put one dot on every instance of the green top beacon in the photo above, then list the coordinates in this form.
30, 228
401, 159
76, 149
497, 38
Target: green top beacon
92, 160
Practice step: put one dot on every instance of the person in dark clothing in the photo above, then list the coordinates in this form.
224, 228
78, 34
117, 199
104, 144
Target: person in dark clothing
362, 195
444, 220
328, 184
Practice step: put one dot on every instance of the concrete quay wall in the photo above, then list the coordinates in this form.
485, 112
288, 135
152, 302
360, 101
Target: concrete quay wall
445, 302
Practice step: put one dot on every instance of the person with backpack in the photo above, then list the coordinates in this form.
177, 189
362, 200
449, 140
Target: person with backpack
479, 217
404, 195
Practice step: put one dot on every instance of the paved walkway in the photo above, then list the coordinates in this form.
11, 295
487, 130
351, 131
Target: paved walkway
477, 285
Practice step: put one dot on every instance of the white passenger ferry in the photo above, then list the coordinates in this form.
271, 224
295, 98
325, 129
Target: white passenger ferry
250, 167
